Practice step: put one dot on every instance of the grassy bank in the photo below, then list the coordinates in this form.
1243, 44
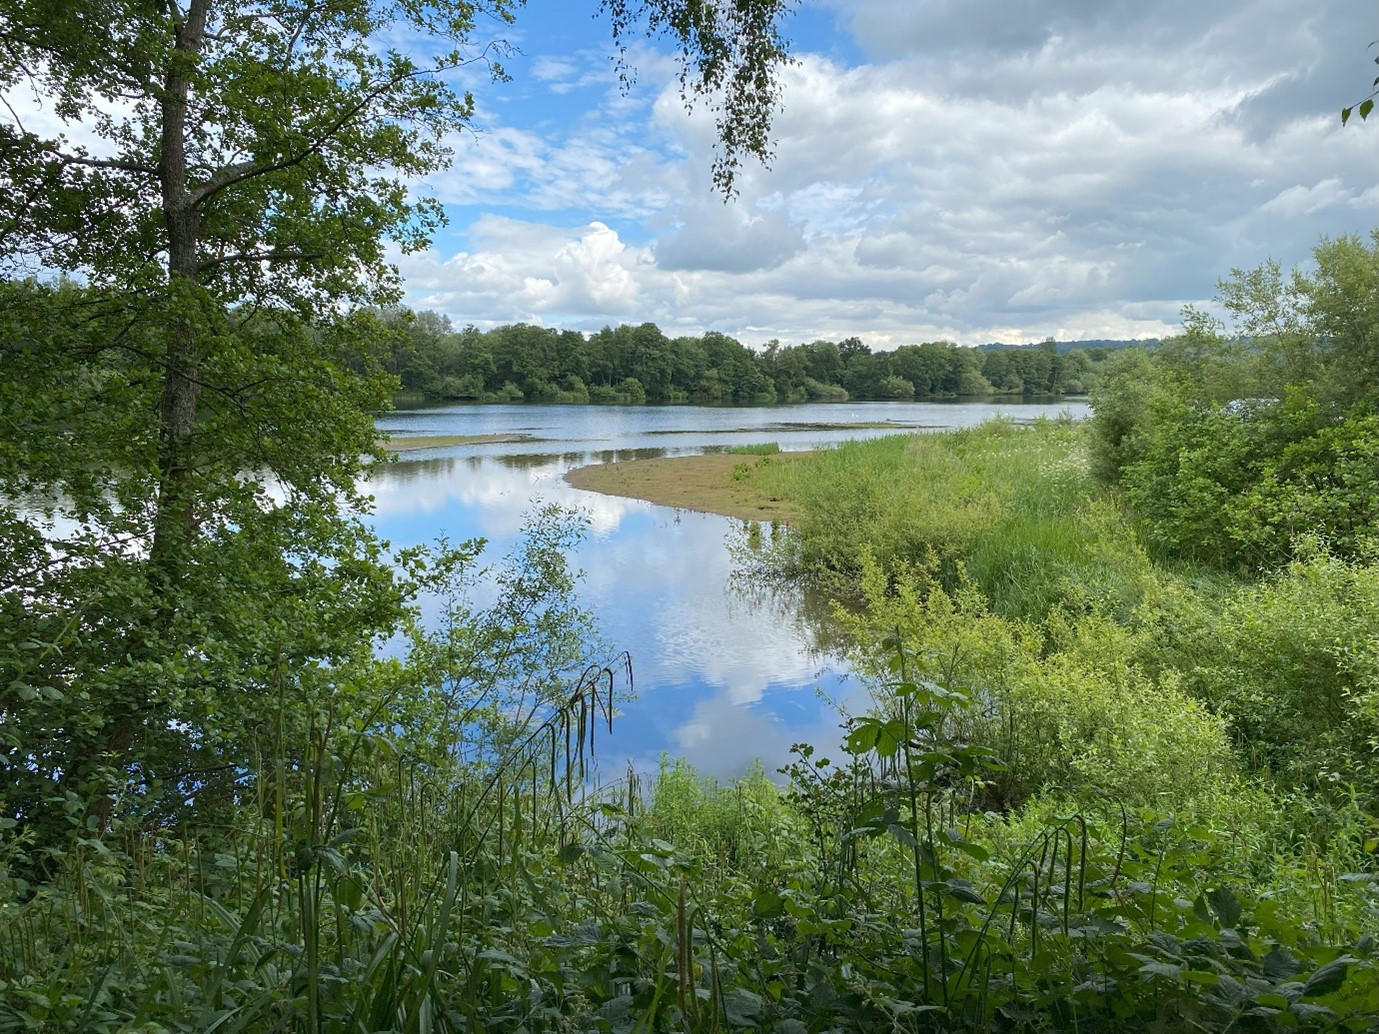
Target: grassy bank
1015, 505
713, 483
1093, 793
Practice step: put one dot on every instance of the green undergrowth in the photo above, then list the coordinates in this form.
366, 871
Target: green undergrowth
1090, 793
1016, 506
1099, 676
875, 890
1006, 528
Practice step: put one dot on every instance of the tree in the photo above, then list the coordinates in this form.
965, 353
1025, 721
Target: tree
729, 53
825, 362
1234, 448
195, 413
243, 143
867, 373
418, 343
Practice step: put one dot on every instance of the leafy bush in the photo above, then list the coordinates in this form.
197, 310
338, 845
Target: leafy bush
1292, 664
1232, 450
1063, 704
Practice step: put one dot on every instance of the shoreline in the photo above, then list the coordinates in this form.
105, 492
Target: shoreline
702, 483
416, 442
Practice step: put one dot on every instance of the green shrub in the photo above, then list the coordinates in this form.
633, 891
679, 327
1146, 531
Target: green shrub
1292, 664
1065, 707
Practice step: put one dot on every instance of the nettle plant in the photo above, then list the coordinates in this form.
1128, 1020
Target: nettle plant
1113, 921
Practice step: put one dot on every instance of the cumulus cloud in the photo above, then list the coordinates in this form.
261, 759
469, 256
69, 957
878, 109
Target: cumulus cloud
1300, 201
525, 271
986, 171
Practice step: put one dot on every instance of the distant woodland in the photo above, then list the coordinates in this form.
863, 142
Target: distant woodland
638, 364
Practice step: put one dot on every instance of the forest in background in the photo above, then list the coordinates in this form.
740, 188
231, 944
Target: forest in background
638, 364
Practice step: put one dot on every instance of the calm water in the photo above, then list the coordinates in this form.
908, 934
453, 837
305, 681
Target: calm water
724, 673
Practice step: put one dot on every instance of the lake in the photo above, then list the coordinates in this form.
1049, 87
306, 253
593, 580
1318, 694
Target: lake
725, 672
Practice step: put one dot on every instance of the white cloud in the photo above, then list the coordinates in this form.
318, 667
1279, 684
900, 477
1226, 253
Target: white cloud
1302, 201
709, 235
992, 170
522, 271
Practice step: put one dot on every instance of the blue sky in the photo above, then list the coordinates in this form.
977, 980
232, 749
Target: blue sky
973, 170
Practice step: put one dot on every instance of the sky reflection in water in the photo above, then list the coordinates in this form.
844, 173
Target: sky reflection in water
723, 675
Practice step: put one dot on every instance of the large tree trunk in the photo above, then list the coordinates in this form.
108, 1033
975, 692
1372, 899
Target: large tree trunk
174, 517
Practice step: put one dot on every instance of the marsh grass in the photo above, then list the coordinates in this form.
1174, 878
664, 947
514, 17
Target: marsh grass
1015, 506
761, 449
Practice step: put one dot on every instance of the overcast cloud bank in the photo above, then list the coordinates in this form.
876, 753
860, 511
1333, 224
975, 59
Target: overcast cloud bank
974, 171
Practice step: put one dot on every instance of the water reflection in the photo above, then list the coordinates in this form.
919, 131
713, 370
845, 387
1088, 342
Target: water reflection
728, 667
721, 679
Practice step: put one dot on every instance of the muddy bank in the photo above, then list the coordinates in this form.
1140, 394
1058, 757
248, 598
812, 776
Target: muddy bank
410, 443
702, 483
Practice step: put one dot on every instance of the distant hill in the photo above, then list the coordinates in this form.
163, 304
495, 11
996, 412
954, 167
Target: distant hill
1068, 346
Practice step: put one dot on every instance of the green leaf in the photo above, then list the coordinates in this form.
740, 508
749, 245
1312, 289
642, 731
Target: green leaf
350, 893
1327, 979
742, 1008
768, 904
954, 840
902, 834
1162, 969
1226, 906
1366, 106
962, 890
1279, 963
862, 737
1307, 1011
1205, 978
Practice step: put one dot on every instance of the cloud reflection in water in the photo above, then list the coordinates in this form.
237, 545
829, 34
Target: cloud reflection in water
723, 675
720, 679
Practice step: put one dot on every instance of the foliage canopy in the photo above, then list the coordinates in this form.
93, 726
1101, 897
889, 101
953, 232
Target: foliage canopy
1234, 449
186, 419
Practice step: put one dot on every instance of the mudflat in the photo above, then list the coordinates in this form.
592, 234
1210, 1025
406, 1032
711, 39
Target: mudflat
410, 443
703, 483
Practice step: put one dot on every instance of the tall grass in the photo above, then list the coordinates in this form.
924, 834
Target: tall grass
372, 887
1015, 506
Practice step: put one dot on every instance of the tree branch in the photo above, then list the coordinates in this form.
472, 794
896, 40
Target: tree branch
103, 163
260, 256
230, 175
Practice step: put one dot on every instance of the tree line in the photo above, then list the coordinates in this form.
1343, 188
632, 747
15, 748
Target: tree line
638, 364
1233, 445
